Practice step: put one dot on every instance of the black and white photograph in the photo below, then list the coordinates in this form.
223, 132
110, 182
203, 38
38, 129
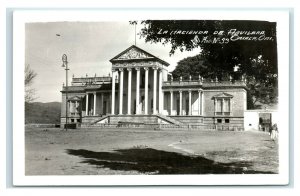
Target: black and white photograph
154, 97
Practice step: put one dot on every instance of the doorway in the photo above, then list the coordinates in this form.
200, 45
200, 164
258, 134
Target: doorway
265, 121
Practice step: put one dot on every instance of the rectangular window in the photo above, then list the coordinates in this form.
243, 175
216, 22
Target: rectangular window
222, 106
219, 120
226, 107
219, 105
226, 120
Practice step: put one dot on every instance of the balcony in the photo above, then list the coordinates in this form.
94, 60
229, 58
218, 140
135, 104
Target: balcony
195, 83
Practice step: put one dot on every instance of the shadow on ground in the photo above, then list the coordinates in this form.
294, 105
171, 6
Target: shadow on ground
148, 160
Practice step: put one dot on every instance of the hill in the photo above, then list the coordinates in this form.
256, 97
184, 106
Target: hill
45, 113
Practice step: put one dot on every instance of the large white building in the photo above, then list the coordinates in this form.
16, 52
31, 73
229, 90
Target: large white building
139, 93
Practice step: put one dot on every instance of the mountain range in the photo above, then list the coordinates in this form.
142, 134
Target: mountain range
42, 113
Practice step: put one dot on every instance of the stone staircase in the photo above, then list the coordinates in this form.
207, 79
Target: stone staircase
169, 119
100, 119
159, 116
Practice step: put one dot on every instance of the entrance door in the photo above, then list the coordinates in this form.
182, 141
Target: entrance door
265, 120
104, 108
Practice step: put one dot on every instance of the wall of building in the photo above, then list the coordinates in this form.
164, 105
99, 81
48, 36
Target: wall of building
238, 102
251, 118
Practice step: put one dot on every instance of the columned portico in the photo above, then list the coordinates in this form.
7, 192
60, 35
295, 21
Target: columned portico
136, 68
188, 102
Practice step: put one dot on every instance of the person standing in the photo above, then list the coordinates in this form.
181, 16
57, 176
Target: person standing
274, 132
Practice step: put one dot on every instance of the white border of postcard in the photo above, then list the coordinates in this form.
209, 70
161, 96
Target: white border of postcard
22, 17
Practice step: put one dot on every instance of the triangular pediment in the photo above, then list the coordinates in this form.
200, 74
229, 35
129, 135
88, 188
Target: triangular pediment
223, 95
135, 53
75, 98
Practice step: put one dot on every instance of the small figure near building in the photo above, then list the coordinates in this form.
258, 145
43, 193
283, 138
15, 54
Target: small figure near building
274, 132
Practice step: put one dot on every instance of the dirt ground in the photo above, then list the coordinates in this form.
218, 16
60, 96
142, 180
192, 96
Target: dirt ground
52, 151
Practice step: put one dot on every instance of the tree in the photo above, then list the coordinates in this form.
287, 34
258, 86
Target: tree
29, 77
250, 45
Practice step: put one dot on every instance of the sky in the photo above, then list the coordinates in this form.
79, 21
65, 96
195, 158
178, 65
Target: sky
89, 47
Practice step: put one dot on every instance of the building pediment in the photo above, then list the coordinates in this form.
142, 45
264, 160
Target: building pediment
135, 53
223, 95
75, 98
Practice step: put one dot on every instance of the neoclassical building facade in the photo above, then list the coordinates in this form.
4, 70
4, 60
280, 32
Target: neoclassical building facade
139, 92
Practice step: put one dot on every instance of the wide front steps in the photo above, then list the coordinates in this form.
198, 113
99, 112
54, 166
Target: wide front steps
135, 119
169, 119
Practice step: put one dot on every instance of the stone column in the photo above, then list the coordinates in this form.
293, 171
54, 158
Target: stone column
129, 91
171, 102
75, 108
102, 102
230, 106
190, 102
215, 106
87, 104
121, 91
202, 103
154, 89
180, 102
95, 97
69, 106
160, 94
146, 89
137, 107
162, 101
199, 103
113, 92
222, 106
